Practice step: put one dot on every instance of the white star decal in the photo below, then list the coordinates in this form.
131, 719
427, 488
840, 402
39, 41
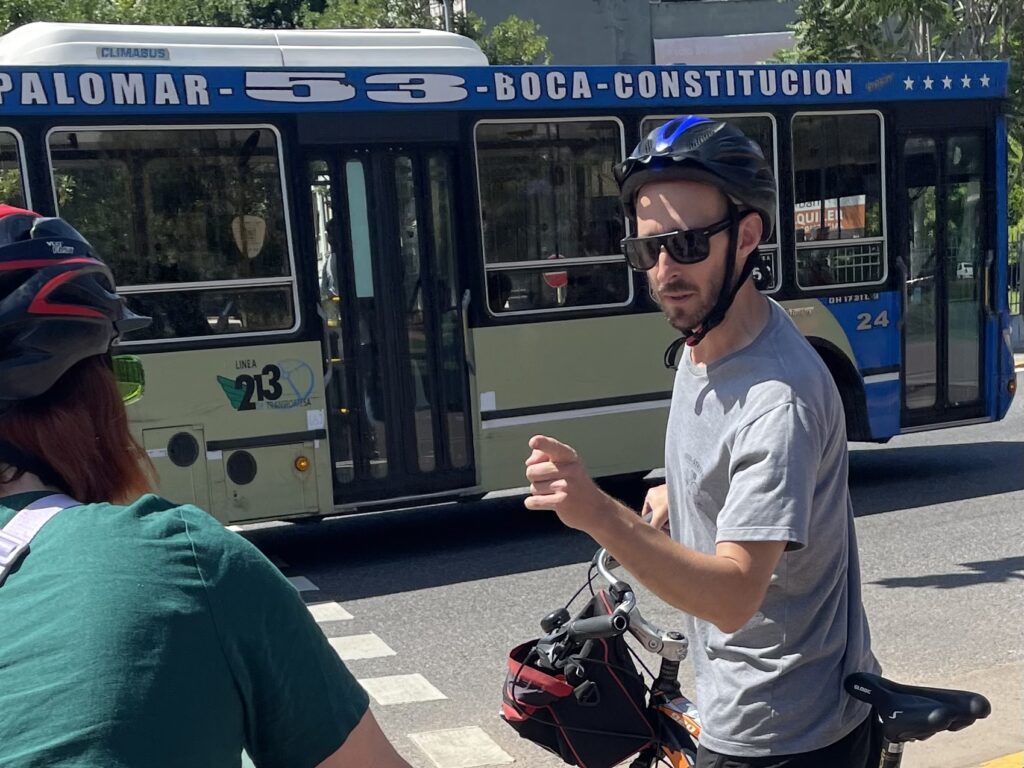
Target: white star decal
984, 81
966, 81
947, 82
908, 84
928, 83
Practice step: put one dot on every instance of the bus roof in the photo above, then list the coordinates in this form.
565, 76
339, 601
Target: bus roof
53, 44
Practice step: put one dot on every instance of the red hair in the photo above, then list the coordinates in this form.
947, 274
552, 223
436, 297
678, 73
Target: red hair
79, 429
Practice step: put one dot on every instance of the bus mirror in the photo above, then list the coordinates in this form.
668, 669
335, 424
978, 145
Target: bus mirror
250, 233
130, 376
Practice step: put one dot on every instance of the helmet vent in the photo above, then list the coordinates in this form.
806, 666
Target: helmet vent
694, 139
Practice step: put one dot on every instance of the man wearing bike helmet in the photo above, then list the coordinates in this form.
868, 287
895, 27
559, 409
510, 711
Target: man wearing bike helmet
134, 631
762, 556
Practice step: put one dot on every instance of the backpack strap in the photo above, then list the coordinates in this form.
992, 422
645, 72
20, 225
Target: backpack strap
16, 536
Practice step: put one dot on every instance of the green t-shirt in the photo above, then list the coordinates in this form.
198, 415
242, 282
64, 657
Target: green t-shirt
149, 635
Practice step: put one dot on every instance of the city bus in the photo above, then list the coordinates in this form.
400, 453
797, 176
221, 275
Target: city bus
377, 264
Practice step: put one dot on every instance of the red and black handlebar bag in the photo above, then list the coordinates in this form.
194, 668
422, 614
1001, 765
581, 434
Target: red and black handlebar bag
596, 724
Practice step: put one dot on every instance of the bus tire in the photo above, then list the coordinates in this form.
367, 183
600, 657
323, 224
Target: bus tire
851, 391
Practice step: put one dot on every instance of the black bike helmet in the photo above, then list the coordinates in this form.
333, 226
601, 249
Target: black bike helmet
693, 148
58, 303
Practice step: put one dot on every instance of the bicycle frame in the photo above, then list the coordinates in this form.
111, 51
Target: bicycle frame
678, 732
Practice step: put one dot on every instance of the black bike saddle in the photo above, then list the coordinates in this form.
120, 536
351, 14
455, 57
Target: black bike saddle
912, 713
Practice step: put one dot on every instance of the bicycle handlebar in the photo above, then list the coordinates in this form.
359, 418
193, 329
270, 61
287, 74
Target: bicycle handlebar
563, 635
669, 645
598, 627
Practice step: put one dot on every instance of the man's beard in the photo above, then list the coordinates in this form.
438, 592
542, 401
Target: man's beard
697, 306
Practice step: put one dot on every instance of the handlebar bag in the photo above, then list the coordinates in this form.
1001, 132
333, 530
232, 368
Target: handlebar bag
595, 724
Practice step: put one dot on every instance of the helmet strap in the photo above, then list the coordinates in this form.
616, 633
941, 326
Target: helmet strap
726, 294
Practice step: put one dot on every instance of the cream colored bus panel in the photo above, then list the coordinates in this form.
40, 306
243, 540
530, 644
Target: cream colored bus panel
265, 401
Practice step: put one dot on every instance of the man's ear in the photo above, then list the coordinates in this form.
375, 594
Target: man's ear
749, 236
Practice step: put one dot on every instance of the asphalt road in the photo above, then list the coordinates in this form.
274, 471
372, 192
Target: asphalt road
449, 590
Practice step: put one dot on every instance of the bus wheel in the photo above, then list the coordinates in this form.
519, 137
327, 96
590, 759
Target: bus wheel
851, 390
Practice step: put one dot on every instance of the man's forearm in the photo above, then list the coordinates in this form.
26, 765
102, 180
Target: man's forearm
710, 587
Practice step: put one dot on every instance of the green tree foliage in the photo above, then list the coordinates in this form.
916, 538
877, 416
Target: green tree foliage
1016, 205
922, 30
239, 13
512, 41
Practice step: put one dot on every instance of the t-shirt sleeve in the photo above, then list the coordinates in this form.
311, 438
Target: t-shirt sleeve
773, 472
299, 700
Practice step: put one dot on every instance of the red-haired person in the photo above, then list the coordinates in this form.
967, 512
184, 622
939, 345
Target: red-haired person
134, 631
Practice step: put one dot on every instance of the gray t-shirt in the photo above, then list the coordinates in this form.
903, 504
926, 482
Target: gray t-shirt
756, 451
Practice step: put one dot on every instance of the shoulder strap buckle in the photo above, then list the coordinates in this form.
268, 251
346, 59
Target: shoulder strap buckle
16, 536
11, 550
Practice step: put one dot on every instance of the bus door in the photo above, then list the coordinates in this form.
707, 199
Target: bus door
944, 245
395, 360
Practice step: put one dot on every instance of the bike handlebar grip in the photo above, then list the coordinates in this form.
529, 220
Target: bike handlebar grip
598, 627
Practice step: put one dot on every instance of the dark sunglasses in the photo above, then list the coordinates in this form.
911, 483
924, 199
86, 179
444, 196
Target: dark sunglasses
686, 246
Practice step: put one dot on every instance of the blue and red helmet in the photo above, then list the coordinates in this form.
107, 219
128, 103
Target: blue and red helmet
714, 152
58, 303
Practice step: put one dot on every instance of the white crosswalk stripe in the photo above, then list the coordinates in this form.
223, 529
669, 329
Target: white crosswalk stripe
303, 584
328, 612
401, 689
461, 748
355, 647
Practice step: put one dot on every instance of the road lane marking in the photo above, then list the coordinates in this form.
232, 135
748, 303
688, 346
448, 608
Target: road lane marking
355, 647
1015, 760
401, 689
328, 612
460, 748
303, 584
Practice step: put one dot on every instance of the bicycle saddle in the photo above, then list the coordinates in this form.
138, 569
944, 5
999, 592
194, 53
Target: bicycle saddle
912, 713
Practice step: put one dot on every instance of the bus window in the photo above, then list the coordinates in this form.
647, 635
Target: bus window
460, 428
336, 379
551, 217
760, 128
191, 221
837, 182
965, 246
921, 171
12, 190
110, 228
419, 333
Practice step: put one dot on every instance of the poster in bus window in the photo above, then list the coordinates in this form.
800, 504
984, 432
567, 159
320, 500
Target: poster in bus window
835, 219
